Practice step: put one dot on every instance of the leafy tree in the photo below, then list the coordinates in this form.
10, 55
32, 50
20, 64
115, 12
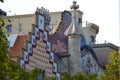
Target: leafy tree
50, 78
1, 0
79, 76
10, 70
4, 59
112, 68
92, 76
1, 22
67, 76
25, 75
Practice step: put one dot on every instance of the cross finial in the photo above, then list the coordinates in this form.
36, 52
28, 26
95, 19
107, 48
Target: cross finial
74, 6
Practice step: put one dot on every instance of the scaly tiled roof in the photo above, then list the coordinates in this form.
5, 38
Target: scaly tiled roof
59, 40
15, 51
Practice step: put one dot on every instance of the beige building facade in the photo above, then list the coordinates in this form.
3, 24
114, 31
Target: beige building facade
21, 24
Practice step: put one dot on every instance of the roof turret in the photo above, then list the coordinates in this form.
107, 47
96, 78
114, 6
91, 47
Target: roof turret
74, 28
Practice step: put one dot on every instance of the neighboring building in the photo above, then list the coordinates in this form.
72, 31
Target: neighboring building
19, 24
61, 45
90, 31
103, 51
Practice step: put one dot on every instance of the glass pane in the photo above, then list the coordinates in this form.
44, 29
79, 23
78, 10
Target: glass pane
20, 27
9, 28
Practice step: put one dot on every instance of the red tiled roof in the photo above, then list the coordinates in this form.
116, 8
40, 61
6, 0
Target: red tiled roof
15, 51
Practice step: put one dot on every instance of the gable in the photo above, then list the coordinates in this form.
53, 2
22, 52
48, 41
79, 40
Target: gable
38, 53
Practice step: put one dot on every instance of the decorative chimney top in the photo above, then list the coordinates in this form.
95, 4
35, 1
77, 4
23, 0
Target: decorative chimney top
73, 29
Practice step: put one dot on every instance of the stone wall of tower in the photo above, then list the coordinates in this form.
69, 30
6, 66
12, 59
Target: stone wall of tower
74, 33
74, 51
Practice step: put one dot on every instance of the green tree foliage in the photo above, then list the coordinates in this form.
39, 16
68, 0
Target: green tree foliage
24, 75
7, 68
67, 76
10, 70
1, 0
4, 59
112, 68
79, 76
50, 78
1, 22
93, 77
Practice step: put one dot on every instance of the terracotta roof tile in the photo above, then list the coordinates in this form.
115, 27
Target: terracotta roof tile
18, 45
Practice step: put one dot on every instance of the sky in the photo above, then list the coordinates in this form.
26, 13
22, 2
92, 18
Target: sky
104, 13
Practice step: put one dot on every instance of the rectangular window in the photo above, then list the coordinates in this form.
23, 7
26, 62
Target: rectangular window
79, 20
92, 39
45, 36
20, 27
9, 28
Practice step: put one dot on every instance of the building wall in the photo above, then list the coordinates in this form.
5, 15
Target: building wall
40, 58
89, 64
63, 65
103, 51
89, 31
25, 20
55, 18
